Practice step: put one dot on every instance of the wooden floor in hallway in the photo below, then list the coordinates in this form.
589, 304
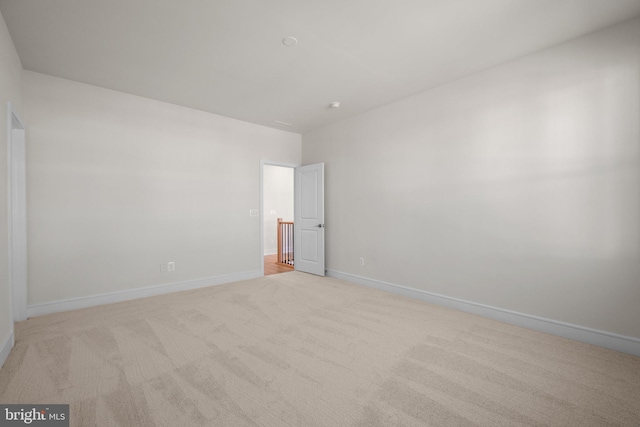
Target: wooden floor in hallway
271, 266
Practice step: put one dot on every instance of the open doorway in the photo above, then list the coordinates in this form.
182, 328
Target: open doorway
17, 216
277, 218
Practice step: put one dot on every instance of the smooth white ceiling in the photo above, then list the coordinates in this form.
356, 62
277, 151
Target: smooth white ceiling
227, 56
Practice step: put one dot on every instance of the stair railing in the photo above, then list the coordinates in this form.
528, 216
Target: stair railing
285, 242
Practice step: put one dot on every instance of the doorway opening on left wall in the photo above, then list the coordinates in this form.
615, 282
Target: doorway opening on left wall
277, 218
17, 224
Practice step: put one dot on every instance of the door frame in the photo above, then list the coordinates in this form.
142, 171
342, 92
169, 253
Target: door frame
264, 163
16, 241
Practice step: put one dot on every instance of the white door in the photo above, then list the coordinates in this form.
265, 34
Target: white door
309, 219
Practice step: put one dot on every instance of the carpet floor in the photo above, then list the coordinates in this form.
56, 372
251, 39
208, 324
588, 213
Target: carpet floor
299, 350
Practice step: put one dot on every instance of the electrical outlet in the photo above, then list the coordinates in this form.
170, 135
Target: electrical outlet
361, 260
168, 266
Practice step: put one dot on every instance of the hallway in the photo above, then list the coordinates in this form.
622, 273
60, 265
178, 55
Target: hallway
272, 267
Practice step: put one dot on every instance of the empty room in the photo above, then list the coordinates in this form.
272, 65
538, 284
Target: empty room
320, 213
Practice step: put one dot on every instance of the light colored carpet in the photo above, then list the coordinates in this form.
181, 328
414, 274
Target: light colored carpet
300, 350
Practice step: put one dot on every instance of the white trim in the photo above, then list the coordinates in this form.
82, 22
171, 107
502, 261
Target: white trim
609, 340
6, 347
16, 244
271, 251
93, 300
9, 245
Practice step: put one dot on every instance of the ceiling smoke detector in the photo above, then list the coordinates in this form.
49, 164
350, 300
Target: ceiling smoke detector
290, 41
334, 105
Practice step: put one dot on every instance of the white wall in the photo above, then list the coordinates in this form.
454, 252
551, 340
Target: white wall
278, 203
118, 184
10, 82
517, 187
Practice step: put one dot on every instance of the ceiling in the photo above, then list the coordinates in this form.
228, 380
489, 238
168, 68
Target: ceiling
227, 56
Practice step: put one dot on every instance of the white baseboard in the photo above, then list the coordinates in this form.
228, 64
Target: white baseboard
7, 345
93, 300
616, 342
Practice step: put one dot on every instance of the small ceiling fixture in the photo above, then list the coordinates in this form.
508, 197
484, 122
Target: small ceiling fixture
334, 105
289, 41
